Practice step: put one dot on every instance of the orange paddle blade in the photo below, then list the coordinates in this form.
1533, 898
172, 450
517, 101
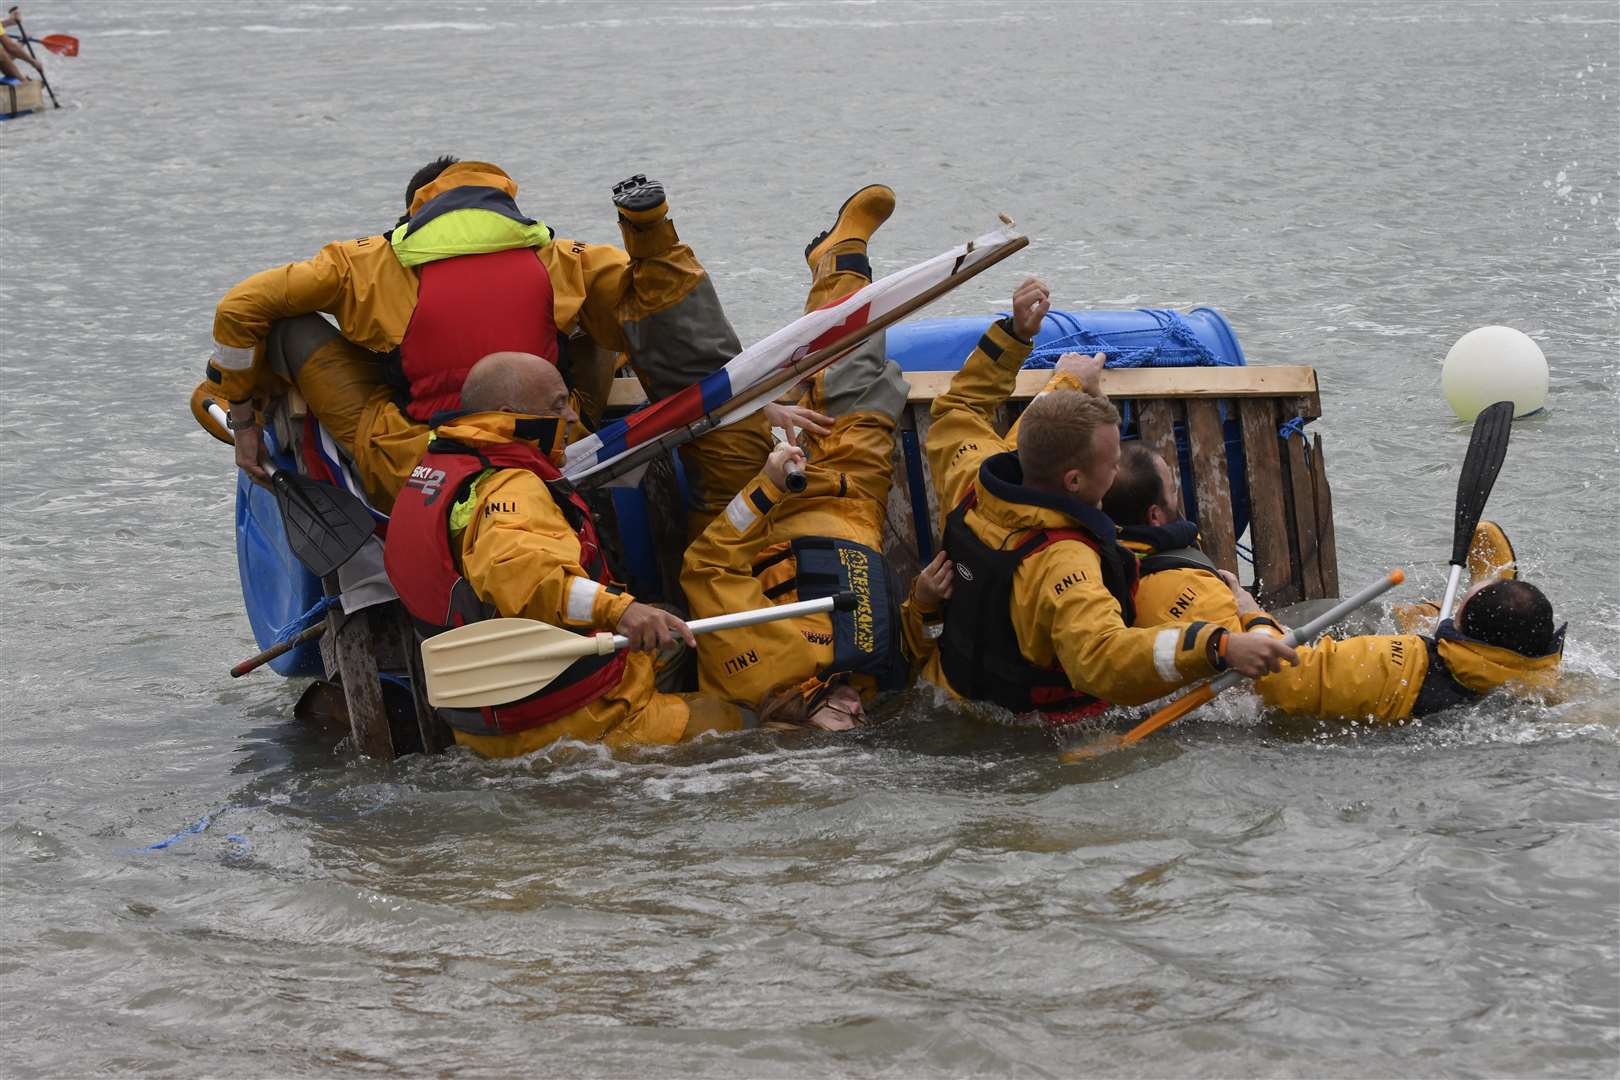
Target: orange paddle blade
61, 44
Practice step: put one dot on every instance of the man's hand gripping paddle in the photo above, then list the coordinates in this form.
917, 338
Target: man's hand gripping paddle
1206, 693
501, 660
1487, 446
325, 525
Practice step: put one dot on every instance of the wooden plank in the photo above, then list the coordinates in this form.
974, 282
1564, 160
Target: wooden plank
435, 733
355, 651
1210, 484
1290, 380
1304, 511
1156, 421
1327, 547
1268, 511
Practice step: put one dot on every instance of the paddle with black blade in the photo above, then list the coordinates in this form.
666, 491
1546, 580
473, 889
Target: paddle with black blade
29, 45
325, 525
1487, 446
501, 660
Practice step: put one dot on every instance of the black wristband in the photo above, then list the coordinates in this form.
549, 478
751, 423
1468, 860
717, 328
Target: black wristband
1213, 649
1006, 323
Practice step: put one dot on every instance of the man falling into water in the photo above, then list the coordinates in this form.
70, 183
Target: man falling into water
1502, 635
776, 546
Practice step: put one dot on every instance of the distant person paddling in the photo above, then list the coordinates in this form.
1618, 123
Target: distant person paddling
14, 50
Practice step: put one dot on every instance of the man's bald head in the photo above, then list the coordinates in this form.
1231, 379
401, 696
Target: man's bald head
515, 382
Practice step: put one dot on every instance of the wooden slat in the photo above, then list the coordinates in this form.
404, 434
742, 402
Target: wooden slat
356, 657
1290, 380
1210, 483
435, 733
1268, 520
1326, 546
1156, 421
1304, 510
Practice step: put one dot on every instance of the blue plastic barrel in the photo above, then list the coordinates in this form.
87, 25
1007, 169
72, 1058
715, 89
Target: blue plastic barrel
276, 588
1135, 335
1143, 337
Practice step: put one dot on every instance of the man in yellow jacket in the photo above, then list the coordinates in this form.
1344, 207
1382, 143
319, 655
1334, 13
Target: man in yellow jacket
773, 545
486, 527
1501, 636
465, 273
1041, 617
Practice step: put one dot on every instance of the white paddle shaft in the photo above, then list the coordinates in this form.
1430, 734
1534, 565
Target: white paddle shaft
602, 643
1303, 634
1451, 591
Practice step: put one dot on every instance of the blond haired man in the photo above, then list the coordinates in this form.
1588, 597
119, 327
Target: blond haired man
1040, 618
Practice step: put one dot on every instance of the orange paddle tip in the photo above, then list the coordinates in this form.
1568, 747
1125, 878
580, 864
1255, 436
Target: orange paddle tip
1397, 576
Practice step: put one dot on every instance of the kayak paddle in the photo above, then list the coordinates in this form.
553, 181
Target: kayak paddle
1487, 446
29, 45
325, 525
500, 660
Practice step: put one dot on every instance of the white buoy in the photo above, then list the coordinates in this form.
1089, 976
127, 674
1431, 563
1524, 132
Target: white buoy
1491, 364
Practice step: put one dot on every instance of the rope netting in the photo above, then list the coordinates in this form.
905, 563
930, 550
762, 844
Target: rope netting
1171, 344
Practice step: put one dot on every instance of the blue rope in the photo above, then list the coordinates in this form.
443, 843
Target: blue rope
1296, 426
1172, 344
299, 622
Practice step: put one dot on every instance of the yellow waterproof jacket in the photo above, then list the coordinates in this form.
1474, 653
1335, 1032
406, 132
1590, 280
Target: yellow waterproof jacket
364, 287
515, 546
518, 552
1390, 678
847, 484
1061, 611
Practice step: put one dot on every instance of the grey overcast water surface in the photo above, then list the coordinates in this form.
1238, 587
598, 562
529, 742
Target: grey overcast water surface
1354, 187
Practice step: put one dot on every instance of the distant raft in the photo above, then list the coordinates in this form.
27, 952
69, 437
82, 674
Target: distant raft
17, 98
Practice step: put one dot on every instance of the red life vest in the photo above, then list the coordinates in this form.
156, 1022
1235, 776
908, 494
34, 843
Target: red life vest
466, 308
423, 571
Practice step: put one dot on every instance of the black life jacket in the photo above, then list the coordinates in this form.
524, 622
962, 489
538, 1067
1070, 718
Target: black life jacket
867, 639
979, 647
1440, 689
422, 569
1172, 547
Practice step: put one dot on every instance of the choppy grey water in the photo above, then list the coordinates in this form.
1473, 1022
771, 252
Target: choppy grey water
1353, 186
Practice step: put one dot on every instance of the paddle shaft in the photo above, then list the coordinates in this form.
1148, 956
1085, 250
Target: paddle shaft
1299, 635
797, 371
310, 633
602, 643
29, 45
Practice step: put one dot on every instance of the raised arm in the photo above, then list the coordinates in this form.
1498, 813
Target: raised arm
963, 430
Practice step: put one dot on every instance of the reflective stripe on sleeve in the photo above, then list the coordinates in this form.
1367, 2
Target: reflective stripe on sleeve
581, 599
1164, 656
230, 358
740, 513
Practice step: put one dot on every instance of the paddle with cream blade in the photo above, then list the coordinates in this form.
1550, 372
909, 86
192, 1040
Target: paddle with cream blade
1487, 447
497, 661
1184, 705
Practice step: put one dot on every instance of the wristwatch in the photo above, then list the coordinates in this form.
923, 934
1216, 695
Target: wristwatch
231, 422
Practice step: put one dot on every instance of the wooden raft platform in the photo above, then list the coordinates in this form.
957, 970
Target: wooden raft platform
1199, 409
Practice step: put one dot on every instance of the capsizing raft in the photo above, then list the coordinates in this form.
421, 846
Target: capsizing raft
1246, 469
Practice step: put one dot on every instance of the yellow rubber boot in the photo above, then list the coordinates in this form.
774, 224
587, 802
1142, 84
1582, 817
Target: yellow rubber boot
1490, 555
644, 217
837, 257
